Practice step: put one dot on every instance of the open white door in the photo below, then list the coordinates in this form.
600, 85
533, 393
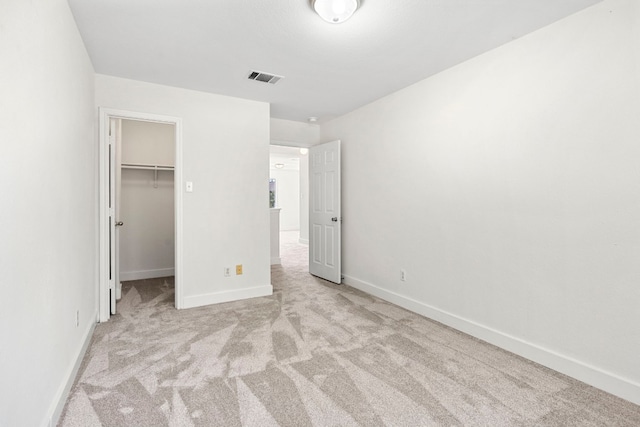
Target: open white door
114, 210
325, 221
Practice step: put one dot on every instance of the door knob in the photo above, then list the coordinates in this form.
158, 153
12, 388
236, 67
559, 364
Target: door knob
334, 219
119, 224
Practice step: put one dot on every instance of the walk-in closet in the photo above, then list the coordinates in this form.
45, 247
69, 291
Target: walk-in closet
146, 202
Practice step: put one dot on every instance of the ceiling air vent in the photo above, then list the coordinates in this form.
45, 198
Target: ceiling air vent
259, 76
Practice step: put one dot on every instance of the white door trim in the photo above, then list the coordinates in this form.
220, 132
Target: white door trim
104, 115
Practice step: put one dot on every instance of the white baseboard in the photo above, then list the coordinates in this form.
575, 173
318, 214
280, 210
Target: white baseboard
303, 241
146, 274
592, 375
276, 260
53, 416
226, 296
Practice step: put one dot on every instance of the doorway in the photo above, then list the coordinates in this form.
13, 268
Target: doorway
289, 188
146, 241
140, 202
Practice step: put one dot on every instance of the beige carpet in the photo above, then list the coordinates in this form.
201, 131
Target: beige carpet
313, 354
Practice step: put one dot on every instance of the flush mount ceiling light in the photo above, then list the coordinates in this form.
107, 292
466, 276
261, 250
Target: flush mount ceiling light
335, 11
279, 165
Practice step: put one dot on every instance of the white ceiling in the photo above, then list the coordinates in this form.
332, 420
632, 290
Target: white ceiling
329, 70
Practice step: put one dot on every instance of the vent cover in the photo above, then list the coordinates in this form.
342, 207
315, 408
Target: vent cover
260, 76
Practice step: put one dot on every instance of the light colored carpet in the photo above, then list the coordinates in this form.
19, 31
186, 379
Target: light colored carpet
313, 354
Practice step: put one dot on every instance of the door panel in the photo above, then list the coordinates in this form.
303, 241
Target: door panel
114, 202
113, 259
316, 192
315, 244
330, 188
330, 240
324, 214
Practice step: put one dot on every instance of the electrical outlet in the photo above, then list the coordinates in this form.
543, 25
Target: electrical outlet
238, 269
77, 318
227, 272
403, 275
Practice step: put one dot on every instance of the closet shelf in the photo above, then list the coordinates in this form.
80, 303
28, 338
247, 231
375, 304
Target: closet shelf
147, 167
154, 168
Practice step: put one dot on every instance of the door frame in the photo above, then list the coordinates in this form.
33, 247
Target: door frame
105, 114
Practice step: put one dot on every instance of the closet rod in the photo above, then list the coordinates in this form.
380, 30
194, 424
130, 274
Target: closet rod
147, 167
154, 168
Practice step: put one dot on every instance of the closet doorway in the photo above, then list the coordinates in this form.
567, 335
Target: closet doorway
146, 243
140, 204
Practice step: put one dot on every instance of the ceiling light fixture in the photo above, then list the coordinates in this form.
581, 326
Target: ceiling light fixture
279, 165
304, 151
335, 11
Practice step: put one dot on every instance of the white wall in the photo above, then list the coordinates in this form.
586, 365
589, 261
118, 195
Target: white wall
508, 189
148, 143
48, 237
226, 156
147, 243
294, 134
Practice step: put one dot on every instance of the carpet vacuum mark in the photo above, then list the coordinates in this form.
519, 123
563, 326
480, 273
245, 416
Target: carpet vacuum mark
312, 354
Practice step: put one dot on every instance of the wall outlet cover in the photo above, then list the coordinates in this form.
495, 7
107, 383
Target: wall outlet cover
238, 269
